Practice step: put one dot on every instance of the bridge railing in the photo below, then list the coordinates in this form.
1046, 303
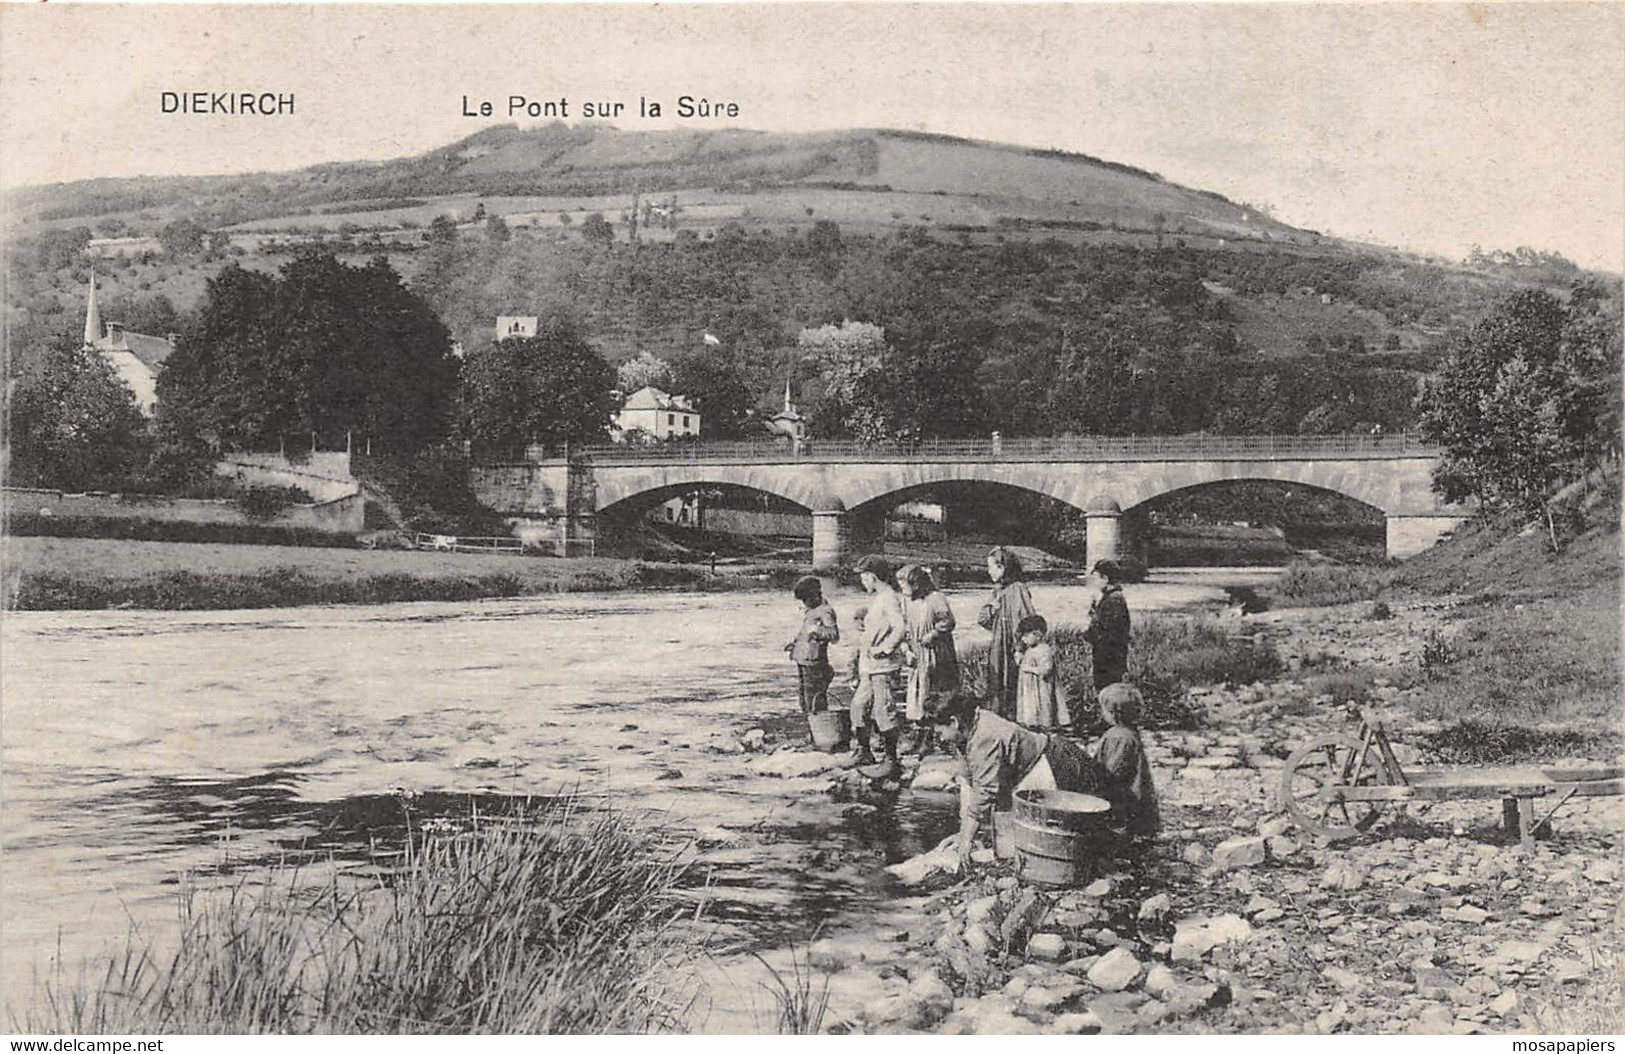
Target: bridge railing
1064, 448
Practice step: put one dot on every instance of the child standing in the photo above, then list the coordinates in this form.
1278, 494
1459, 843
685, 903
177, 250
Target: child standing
1037, 703
1001, 616
1121, 756
1108, 629
809, 649
880, 659
935, 673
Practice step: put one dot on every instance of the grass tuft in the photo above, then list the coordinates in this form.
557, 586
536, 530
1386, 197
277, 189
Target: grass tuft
1477, 743
553, 921
800, 1006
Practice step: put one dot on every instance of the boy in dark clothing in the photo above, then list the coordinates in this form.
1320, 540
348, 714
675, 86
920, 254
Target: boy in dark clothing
1108, 629
1121, 756
810, 647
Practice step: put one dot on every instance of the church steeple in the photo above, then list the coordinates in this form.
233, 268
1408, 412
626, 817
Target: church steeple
93, 317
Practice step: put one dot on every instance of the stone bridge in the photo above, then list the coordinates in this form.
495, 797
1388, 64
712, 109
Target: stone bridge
841, 483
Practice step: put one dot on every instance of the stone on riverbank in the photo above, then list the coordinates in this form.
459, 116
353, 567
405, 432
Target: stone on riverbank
1195, 937
1116, 970
925, 1002
794, 764
1234, 853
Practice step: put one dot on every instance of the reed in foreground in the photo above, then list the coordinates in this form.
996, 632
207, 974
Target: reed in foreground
558, 921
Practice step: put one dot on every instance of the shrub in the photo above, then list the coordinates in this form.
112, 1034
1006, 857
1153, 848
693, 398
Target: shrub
1312, 585
267, 503
1132, 569
1475, 742
552, 921
1167, 656
1437, 653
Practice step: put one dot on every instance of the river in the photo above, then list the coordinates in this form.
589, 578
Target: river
137, 747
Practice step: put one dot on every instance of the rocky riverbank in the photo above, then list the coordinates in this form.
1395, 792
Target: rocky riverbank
1235, 921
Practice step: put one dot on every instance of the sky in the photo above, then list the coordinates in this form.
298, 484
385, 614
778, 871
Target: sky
1432, 127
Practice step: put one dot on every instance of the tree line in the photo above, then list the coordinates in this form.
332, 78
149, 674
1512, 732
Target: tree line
891, 338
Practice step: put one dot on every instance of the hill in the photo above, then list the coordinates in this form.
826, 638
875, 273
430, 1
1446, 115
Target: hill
984, 180
1056, 292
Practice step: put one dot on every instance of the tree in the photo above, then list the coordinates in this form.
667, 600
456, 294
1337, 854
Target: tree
717, 389
72, 423
1527, 400
320, 347
851, 359
182, 238
56, 249
598, 230
644, 371
496, 229
442, 230
551, 388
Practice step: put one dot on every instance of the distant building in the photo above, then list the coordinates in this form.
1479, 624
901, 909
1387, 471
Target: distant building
917, 521
133, 245
656, 415
511, 327
135, 357
683, 510
788, 422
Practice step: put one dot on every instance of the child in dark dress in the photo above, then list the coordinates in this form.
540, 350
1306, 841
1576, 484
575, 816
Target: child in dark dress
810, 647
1121, 756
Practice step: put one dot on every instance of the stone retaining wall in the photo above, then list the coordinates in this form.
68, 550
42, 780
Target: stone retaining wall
343, 515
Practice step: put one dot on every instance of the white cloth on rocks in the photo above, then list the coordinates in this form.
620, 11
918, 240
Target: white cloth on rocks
945, 857
916, 869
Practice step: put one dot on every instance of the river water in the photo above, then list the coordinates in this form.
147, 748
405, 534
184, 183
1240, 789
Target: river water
137, 747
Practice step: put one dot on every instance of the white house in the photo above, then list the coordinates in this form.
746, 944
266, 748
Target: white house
135, 357
655, 414
516, 326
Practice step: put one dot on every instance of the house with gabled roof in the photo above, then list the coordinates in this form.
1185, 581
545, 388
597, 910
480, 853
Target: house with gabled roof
656, 415
135, 357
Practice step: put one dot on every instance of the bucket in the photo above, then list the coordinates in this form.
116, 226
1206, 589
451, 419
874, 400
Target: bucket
830, 729
1058, 835
1068, 810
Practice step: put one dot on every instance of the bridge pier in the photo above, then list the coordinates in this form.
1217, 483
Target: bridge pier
1103, 535
831, 539
1409, 535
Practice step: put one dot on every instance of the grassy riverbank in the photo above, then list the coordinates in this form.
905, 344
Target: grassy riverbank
557, 921
44, 574
1526, 661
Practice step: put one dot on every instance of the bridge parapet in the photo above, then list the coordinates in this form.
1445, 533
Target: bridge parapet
1056, 449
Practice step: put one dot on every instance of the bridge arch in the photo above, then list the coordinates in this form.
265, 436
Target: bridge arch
615, 485
1350, 479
